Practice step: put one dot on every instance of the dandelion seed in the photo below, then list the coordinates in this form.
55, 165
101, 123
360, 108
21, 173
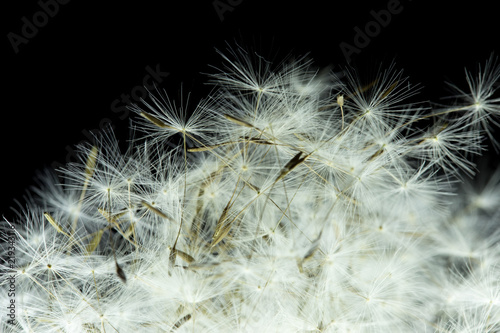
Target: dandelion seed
53, 222
89, 171
211, 147
294, 162
253, 187
377, 153
181, 322
94, 243
156, 211
313, 248
223, 226
113, 218
222, 232
481, 101
91, 162
340, 102
238, 121
309, 253
246, 139
388, 91
156, 121
171, 260
121, 273
258, 141
184, 256
222, 220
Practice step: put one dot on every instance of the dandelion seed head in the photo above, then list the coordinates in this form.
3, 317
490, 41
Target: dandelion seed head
290, 199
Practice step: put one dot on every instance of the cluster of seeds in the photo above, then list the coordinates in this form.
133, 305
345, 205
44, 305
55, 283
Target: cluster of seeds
290, 200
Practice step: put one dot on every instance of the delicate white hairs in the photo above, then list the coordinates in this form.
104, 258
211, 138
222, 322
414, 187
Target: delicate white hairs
294, 200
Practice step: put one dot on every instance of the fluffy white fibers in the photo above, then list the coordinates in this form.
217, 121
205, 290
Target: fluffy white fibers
294, 202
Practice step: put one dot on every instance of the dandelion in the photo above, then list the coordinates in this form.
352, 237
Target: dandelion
481, 101
288, 200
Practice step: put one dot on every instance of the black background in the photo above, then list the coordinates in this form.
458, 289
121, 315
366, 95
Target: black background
63, 81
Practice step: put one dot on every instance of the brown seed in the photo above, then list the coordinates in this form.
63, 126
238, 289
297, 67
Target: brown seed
121, 273
52, 221
184, 256
156, 121
340, 102
238, 121
181, 322
296, 160
94, 243
377, 153
222, 228
91, 162
246, 139
156, 211
221, 233
313, 248
89, 171
171, 260
388, 91
258, 140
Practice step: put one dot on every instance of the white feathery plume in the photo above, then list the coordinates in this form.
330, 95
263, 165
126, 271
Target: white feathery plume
288, 200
